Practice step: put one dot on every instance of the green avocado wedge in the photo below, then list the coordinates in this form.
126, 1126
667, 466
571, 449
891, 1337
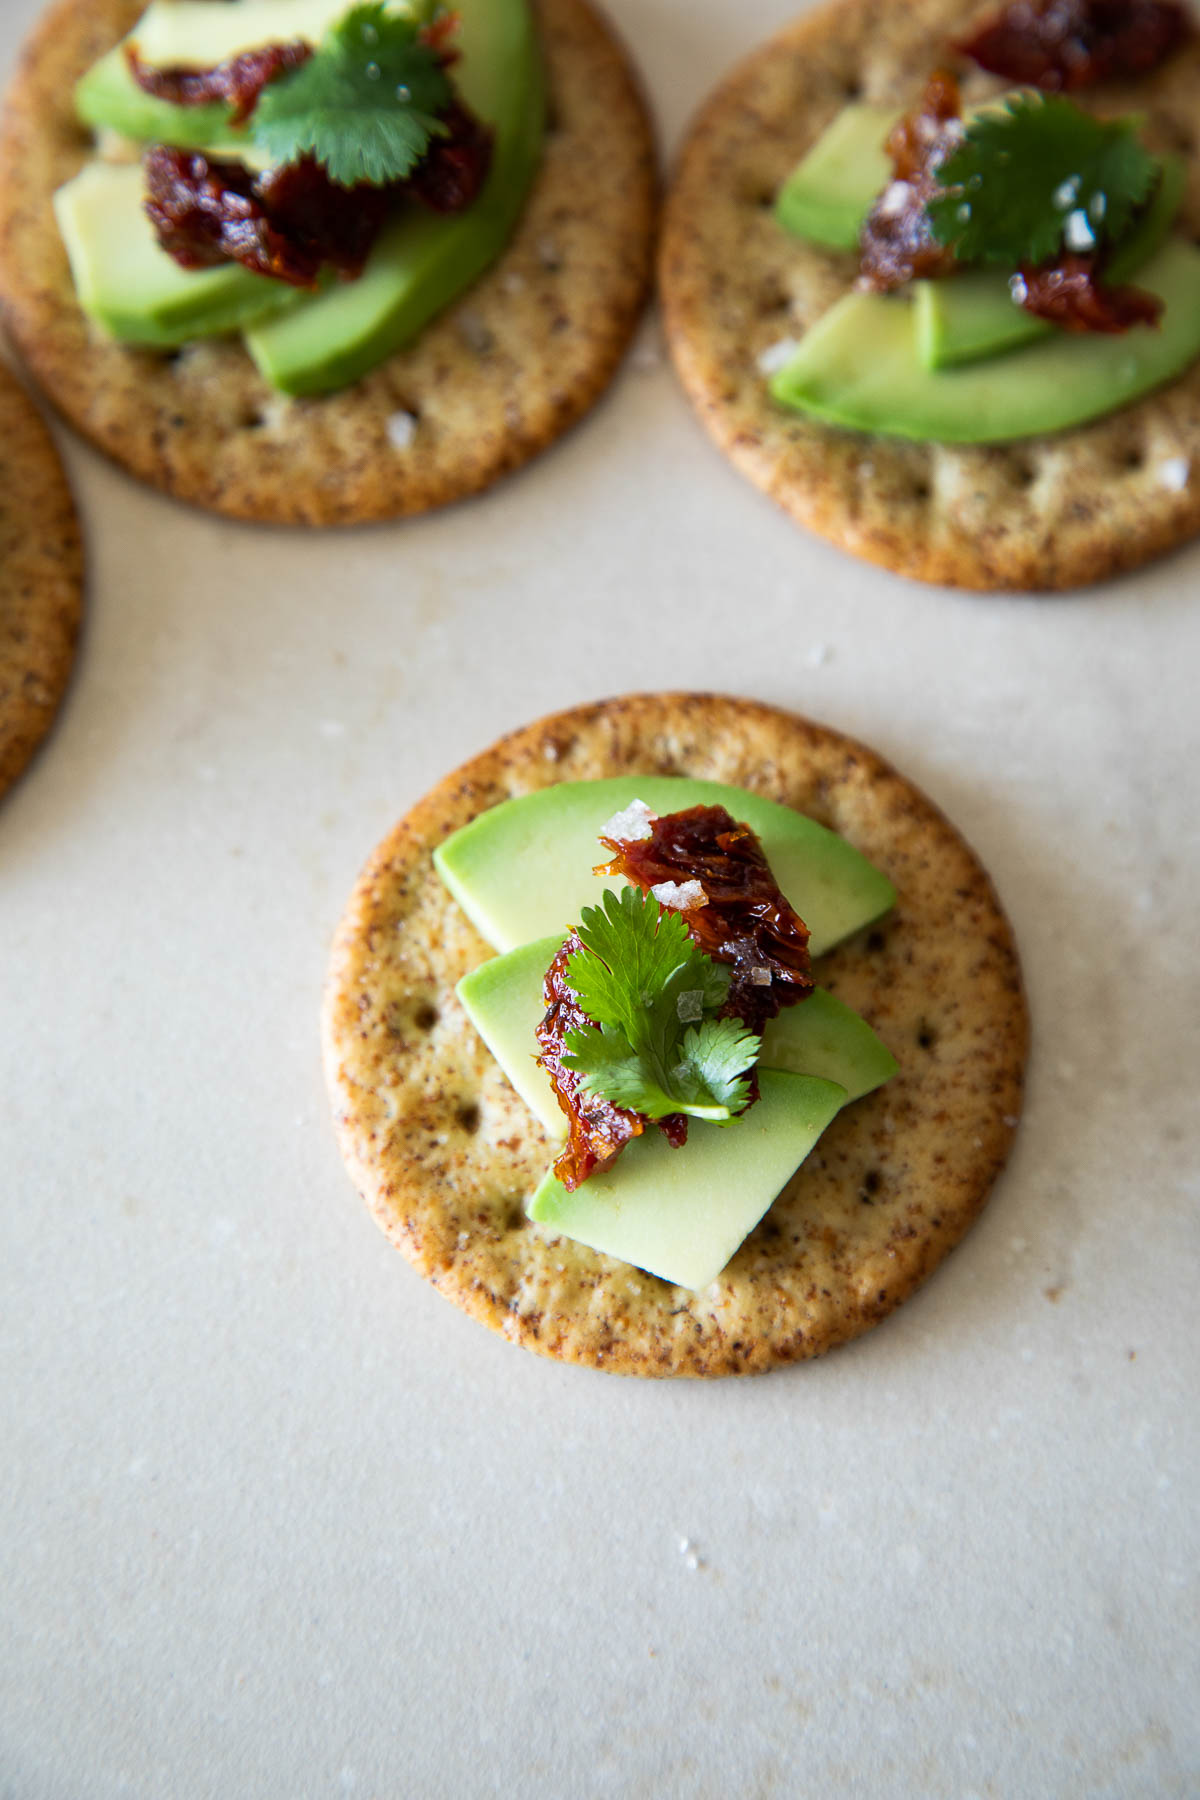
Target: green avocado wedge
1052, 385
503, 1000
681, 1214
127, 282
972, 315
199, 35
828, 194
522, 869
422, 261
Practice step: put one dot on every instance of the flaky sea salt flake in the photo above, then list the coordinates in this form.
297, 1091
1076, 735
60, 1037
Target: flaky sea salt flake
401, 429
630, 825
777, 356
680, 896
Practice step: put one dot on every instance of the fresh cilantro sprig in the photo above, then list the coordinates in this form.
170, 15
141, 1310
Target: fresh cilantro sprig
1035, 173
365, 105
653, 994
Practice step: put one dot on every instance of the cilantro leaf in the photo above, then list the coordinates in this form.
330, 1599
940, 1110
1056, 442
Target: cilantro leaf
656, 1048
365, 105
1034, 174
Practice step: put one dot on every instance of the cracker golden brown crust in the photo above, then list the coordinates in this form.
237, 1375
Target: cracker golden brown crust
492, 381
1048, 512
445, 1154
41, 579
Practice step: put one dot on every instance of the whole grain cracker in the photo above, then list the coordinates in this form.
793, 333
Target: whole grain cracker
1047, 512
445, 1154
494, 379
41, 579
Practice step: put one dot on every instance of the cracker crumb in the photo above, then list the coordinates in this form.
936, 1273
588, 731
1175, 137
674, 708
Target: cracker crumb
1175, 473
777, 356
401, 429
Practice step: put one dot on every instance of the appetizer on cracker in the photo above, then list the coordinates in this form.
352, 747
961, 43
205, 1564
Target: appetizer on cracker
327, 261
962, 328
586, 1078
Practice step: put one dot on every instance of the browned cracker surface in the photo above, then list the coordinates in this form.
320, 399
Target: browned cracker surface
1048, 512
497, 377
41, 579
445, 1154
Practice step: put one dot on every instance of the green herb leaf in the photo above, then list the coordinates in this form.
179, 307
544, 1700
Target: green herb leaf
365, 105
1035, 174
652, 993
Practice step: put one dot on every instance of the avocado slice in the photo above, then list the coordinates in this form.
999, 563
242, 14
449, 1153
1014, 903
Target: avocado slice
1061, 381
503, 1000
198, 35
522, 869
422, 261
829, 192
965, 317
127, 282
681, 1214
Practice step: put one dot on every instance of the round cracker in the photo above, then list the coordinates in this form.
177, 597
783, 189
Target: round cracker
445, 1154
494, 379
1047, 512
41, 579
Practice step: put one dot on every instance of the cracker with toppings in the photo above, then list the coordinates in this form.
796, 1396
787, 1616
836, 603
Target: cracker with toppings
1044, 512
41, 579
445, 1153
487, 385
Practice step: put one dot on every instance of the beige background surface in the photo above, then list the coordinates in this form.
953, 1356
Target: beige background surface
277, 1519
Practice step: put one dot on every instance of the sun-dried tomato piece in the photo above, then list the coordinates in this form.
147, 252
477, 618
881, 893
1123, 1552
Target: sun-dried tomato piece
287, 223
1062, 45
207, 212
454, 167
745, 920
1070, 293
896, 240
237, 83
598, 1130
337, 225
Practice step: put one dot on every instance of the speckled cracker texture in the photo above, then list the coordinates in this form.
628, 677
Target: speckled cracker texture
496, 378
1048, 512
41, 580
445, 1154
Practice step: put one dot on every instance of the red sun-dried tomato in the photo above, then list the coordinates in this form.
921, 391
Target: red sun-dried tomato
236, 83
745, 921
454, 167
1062, 45
896, 240
1069, 292
288, 223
